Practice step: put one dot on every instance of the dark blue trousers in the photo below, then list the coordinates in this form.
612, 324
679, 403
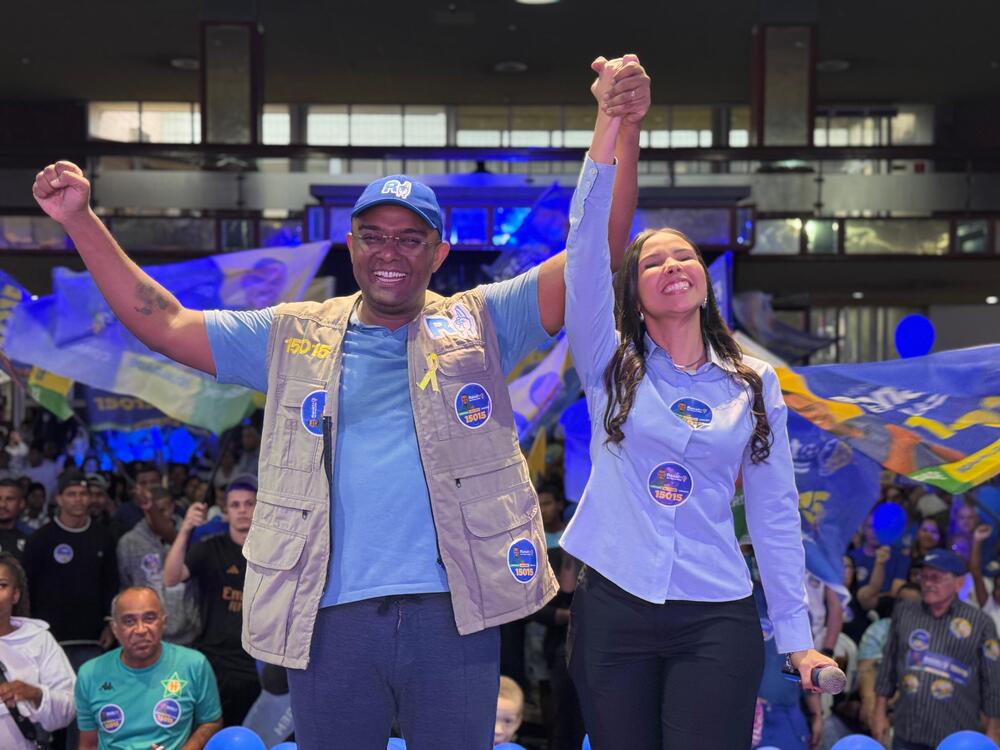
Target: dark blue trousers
396, 658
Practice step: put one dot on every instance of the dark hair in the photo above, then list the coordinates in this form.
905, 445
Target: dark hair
20, 583
246, 482
628, 364
553, 488
13, 483
35, 486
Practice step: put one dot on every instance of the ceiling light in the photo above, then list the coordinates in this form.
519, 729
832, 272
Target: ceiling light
832, 66
537, 2
992, 300
857, 295
510, 66
185, 63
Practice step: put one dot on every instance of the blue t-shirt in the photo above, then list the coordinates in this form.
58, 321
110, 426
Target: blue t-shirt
133, 708
382, 531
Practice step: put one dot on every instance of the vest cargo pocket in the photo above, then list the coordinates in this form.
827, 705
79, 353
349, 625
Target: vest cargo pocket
296, 442
271, 583
466, 392
506, 547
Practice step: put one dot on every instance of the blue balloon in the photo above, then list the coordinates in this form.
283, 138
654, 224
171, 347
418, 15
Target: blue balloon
857, 742
967, 741
286, 746
395, 743
889, 522
235, 738
914, 336
508, 746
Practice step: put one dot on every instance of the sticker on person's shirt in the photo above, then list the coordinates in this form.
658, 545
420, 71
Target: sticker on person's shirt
522, 559
694, 413
919, 640
960, 627
766, 628
460, 324
942, 690
312, 412
991, 649
670, 484
167, 712
939, 665
111, 718
173, 685
861, 574
910, 683
62, 554
473, 406
150, 564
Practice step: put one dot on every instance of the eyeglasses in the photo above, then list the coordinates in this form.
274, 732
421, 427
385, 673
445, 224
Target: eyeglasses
374, 242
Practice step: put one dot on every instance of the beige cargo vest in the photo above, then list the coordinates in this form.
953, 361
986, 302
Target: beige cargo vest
489, 529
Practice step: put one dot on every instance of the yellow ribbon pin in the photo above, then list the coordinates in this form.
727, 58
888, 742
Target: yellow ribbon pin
431, 375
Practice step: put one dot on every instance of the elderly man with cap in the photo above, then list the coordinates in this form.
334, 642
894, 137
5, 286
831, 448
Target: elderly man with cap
942, 658
396, 526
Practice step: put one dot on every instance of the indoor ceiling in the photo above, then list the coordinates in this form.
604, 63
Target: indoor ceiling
441, 52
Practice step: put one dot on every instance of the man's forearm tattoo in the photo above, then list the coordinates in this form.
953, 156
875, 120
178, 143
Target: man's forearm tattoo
150, 299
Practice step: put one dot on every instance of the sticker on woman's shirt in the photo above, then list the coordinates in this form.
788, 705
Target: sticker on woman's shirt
670, 484
473, 406
167, 712
63, 554
696, 414
111, 718
312, 412
522, 559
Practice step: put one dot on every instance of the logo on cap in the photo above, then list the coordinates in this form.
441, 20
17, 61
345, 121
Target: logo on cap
400, 189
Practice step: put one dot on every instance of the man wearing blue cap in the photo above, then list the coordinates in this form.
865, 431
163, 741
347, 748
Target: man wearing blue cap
943, 658
395, 526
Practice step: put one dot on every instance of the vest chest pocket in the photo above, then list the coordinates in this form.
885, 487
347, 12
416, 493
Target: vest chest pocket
506, 546
466, 393
296, 439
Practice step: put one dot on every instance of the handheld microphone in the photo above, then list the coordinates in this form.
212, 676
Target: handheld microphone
25, 726
828, 679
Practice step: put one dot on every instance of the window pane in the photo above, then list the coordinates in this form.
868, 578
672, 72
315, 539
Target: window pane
114, 121
821, 236
705, 226
32, 232
172, 233
376, 125
739, 127
276, 125
777, 237
972, 236
328, 125
167, 122
480, 125
468, 226
910, 236
280, 232
425, 126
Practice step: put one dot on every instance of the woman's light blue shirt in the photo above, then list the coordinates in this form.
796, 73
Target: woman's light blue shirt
655, 516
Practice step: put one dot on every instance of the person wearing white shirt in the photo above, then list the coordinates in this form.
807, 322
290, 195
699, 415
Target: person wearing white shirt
37, 681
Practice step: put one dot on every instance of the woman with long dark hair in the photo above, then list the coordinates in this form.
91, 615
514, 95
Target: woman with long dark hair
665, 642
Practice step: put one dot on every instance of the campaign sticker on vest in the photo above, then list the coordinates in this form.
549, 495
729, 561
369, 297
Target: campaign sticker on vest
911, 683
696, 414
670, 484
312, 412
111, 718
167, 712
473, 406
63, 553
460, 324
766, 628
522, 559
919, 640
942, 689
960, 627
991, 649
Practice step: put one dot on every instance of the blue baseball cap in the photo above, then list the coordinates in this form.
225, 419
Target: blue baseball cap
946, 560
400, 190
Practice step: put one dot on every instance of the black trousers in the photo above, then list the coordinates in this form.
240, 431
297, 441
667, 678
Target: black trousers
672, 676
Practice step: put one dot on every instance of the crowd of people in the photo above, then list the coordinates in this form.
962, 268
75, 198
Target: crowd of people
141, 568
